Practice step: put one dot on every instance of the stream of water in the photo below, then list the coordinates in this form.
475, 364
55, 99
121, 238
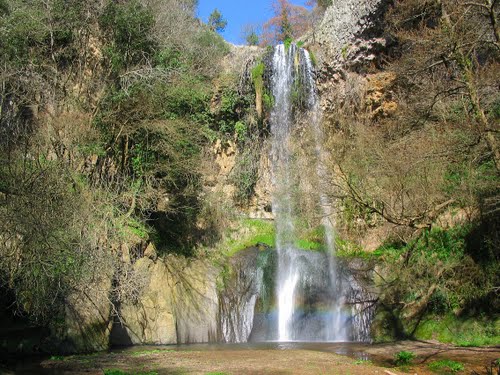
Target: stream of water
293, 72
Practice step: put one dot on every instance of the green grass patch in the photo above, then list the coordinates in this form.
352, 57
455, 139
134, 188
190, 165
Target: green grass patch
404, 358
363, 362
314, 61
58, 358
250, 232
121, 372
142, 353
474, 331
348, 249
306, 244
130, 226
446, 366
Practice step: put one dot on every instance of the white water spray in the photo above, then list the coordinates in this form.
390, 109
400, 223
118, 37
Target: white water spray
291, 64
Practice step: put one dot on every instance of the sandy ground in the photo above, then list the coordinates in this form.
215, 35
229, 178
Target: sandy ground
235, 360
228, 362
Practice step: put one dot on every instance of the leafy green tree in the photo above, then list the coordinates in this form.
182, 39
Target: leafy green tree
252, 39
4, 7
128, 27
216, 21
250, 34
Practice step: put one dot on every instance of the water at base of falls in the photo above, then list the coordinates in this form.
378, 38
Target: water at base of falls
331, 319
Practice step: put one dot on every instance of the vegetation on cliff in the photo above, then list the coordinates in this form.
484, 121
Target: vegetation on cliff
109, 111
415, 136
105, 112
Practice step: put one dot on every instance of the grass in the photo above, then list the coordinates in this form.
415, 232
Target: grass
305, 244
363, 362
446, 366
58, 358
143, 353
130, 226
464, 332
121, 372
347, 249
251, 232
81, 358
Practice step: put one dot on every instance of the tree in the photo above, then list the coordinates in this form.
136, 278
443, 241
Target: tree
216, 21
323, 4
435, 154
250, 33
289, 22
454, 59
4, 7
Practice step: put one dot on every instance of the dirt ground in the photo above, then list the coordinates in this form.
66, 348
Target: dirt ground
227, 362
236, 360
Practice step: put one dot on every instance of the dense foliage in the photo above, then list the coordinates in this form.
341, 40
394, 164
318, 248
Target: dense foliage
105, 109
417, 159
108, 110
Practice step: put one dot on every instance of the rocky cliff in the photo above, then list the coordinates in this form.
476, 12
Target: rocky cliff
351, 32
193, 301
179, 304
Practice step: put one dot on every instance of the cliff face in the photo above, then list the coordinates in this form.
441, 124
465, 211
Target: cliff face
178, 304
351, 31
182, 301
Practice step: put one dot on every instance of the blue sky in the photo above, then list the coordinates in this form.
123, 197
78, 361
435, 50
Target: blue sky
238, 13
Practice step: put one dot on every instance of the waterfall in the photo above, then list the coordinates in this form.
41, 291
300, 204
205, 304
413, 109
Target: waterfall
319, 297
336, 325
281, 126
292, 67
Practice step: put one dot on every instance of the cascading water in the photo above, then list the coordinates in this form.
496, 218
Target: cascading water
292, 65
319, 297
281, 125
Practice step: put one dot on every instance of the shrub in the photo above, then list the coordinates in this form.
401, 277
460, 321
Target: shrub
128, 25
246, 172
404, 358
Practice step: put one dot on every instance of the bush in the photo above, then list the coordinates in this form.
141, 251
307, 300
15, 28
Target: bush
128, 26
246, 173
52, 235
404, 358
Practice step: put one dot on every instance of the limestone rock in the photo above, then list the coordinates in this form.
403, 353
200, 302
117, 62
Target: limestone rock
378, 95
150, 319
87, 325
150, 252
195, 300
350, 31
178, 305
